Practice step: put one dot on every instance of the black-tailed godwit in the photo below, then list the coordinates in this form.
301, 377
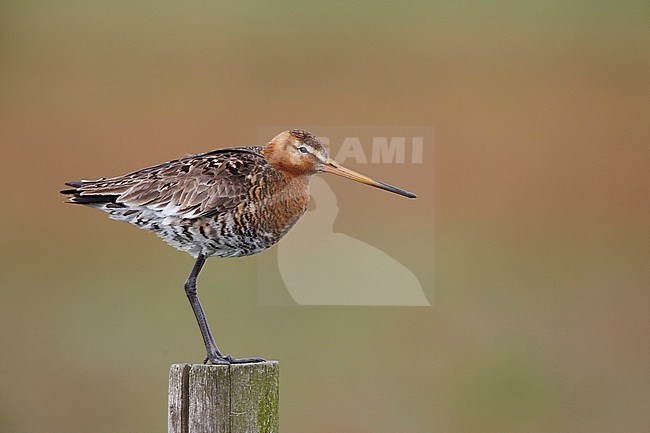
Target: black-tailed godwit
226, 203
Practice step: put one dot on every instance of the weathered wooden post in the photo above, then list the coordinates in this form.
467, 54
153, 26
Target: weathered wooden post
237, 398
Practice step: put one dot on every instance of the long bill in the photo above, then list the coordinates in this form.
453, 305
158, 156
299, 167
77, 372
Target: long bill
334, 167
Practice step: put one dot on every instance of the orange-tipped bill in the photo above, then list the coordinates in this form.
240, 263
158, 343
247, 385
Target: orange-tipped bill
334, 167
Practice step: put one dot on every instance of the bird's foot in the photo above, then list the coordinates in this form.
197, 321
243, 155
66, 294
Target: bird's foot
229, 359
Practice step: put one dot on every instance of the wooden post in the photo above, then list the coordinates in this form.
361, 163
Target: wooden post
237, 398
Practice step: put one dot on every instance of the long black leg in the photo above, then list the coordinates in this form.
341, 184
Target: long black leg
212, 351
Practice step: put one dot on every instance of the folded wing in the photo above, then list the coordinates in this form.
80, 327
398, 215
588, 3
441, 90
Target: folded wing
190, 187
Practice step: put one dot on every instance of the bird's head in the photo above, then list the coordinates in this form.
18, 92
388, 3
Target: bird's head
299, 153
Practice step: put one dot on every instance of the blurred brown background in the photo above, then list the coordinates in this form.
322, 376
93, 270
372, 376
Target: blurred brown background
540, 111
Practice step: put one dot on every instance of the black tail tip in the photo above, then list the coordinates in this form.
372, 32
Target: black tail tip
71, 191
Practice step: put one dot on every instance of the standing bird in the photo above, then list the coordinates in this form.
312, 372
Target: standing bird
226, 203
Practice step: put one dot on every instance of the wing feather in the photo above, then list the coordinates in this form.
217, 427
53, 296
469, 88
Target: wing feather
190, 187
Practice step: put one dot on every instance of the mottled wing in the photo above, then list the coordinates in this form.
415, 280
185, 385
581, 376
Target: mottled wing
190, 187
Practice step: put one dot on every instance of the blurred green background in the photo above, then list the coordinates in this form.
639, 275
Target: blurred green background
540, 111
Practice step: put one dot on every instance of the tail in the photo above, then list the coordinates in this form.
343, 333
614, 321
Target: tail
82, 193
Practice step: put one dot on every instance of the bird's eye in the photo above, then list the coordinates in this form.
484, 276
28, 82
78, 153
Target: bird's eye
303, 149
